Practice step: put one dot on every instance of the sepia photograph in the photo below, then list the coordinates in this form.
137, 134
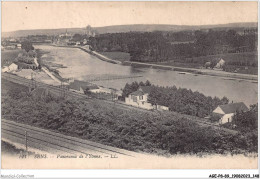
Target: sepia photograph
129, 85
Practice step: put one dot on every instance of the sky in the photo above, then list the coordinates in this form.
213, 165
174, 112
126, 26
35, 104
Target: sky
52, 15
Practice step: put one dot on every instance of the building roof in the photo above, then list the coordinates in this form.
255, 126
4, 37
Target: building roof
137, 93
145, 89
233, 107
76, 85
91, 87
142, 90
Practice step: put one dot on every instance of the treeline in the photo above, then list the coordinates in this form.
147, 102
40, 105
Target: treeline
131, 130
180, 100
166, 46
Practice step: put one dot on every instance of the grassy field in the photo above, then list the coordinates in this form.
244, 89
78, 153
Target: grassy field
229, 57
234, 62
120, 56
8, 56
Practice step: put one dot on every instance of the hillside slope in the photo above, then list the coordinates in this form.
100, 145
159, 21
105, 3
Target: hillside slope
128, 28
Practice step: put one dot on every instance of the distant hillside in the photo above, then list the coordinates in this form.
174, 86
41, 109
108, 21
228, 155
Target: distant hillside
175, 28
23, 33
128, 28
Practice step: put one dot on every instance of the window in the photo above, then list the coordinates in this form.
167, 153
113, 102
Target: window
141, 98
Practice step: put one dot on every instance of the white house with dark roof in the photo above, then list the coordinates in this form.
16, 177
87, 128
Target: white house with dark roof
139, 99
227, 111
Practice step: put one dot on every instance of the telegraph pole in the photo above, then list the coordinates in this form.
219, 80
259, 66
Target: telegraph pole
62, 90
32, 85
26, 141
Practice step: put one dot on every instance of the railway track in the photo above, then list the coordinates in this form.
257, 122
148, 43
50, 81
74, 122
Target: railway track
58, 90
56, 143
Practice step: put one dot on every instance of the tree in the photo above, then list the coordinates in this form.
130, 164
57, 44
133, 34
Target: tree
27, 46
213, 63
142, 84
148, 83
126, 90
224, 100
247, 120
154, 96
77, 37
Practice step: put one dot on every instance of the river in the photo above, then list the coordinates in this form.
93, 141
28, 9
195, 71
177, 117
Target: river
83, 66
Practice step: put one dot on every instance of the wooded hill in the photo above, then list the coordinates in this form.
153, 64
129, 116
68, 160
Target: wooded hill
127, 28
178, 46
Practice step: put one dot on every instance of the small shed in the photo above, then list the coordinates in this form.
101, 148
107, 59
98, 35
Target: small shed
220, 63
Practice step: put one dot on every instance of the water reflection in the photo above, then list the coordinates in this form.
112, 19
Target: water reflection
80, 65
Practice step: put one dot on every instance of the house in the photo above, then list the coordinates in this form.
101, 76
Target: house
226, 112
81, 86
19, 46
10, 47
220, 63
77, 43
101, 89
85, 41
5, 69
139, 98
113, 93
12, 67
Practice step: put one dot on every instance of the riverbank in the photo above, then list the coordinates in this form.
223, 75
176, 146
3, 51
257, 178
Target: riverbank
45, 67
253, 78
94, 53
231, 76
195, 71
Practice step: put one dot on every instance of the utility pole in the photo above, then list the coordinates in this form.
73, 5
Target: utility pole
26, 146
32, 85
62, 90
